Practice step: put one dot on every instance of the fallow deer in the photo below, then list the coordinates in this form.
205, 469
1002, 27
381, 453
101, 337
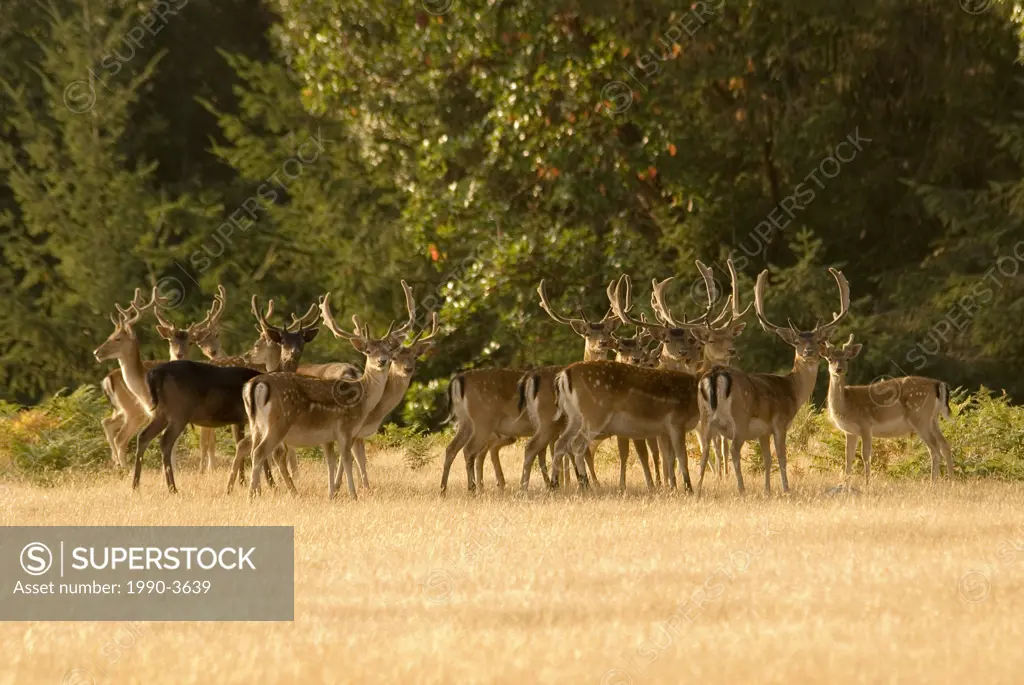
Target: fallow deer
611, 398
304, 412
125, 386
891, 408
490, 399
758, 406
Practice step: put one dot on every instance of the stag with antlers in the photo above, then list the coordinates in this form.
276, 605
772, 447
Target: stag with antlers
761, 406
489, 405
285, 407
125, 387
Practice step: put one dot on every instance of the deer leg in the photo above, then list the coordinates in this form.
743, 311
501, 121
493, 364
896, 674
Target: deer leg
462, 436
766, 455
155, 427
281, 455
851, 452
652, 446
111, 426
478, 469
332, 467
677, 445
167, 442
622, 446
641, 453
535, 446
242, 450
780, 456
865, 451
359, 448
264, 446
344, 449
736, 447
499, 475
589, 455
944, 448
207, 446
132, 424
704, 438
238, 434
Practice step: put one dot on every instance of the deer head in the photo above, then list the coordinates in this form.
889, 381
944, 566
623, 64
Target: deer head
596, 334
124, 341
378, 351
206, 333
837, 357
808, 344
290, 341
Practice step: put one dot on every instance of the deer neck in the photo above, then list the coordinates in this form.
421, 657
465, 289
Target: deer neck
836, 392
803, 377
374, 381
134, 373
394, 390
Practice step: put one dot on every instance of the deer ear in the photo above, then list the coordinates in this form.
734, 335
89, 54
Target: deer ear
309, 334
274, 335
788, 336
854, 350
164, 332
359, 344
579, 327
737, 328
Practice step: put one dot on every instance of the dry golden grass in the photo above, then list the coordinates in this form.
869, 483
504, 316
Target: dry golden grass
402, 586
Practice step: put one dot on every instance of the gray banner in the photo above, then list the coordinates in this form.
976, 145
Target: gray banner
147, 573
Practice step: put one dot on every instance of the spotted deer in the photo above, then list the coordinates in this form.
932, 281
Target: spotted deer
302, 411
487, 406
891, 408
611, 398
761, 406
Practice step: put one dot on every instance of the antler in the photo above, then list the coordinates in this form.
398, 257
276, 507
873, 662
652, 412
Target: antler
829, 329
546, 306
137, 307
762, 279
307, 320
332, 325
261, 318
212, 315
661, 310
410, 307
434, 326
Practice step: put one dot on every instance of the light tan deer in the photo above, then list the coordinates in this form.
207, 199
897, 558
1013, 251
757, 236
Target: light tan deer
758, 406
487, 403
891, 408
304, 412
125, 387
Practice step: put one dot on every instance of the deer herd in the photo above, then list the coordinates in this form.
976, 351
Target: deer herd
671, 377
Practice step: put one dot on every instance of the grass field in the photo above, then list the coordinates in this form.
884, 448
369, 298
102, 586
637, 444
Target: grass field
903, 583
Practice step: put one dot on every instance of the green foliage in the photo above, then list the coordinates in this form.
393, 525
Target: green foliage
62, 433
287, 149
